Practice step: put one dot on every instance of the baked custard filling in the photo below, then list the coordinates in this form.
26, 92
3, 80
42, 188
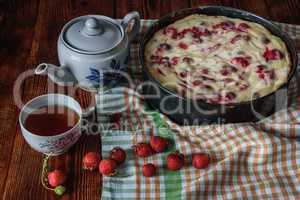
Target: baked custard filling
218, 59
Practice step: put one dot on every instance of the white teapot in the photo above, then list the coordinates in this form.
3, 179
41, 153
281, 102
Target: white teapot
92, 50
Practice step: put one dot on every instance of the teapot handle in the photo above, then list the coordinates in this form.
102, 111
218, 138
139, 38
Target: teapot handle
136, 26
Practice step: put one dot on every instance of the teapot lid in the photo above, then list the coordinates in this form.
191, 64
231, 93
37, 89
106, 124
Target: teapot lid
92, 34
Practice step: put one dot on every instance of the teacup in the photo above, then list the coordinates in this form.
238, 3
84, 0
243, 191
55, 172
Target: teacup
56, 144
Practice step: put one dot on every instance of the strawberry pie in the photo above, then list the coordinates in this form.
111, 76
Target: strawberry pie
218, 59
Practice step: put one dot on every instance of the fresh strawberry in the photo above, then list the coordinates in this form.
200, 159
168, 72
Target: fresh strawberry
158, 144
107, 167
149, 170
200, 160
273, 54
91, 161
56, 178
143, 150
118, 155
175, 161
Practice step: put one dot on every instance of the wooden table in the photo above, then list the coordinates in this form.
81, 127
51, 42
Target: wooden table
28, 34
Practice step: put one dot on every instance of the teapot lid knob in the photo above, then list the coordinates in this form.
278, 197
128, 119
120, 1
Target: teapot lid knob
92, 34
92, 27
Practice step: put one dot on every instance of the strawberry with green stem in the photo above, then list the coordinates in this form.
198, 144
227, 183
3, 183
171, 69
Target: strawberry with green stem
57, 178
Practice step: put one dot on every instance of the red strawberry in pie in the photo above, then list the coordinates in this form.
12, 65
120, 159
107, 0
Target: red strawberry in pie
171, 31
273, 54
261, 68
175, 60
243, 87
205, 71
188, 60
183, 45
236, 38
224, 72
241, 61
243, 27
183, 74
272, 74
226, 25
164, 46
197, 82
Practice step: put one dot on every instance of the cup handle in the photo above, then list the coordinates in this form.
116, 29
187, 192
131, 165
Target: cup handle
136, 26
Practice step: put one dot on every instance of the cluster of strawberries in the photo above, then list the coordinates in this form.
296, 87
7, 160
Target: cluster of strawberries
117, 156
157, 144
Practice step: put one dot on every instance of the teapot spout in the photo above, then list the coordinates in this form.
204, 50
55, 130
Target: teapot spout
59, 75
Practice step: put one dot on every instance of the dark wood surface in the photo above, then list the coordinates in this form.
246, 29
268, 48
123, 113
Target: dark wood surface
28, 35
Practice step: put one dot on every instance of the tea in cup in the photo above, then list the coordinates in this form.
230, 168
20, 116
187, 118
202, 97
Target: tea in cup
51, 123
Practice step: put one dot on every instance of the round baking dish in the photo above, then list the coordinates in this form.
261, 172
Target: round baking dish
193, 112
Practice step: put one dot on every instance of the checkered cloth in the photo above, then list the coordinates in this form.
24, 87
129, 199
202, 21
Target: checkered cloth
248, 161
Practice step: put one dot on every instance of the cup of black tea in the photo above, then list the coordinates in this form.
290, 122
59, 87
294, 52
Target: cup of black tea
51, 123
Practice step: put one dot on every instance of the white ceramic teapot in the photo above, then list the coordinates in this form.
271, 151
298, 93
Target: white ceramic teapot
92, 49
